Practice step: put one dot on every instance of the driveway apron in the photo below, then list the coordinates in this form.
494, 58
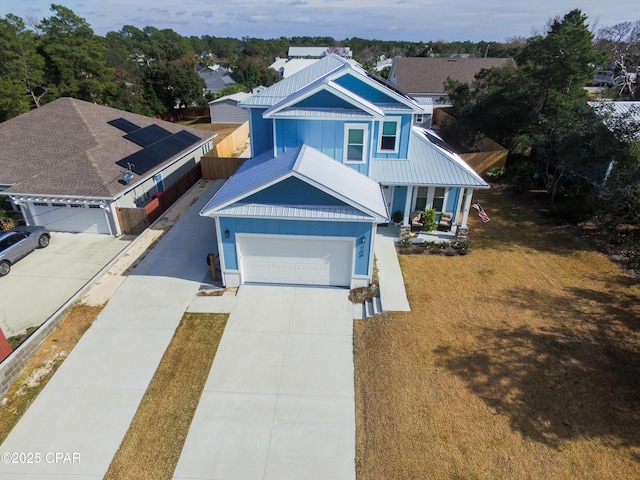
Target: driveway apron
279, 400
77, 422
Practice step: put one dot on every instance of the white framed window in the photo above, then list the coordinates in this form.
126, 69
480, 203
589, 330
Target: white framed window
438, 199
422, 195
432, 197
355, 142
388, 135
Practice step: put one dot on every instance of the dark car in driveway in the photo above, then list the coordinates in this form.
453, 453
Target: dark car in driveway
18, 243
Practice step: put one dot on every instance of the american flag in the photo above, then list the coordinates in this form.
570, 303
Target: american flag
481, 213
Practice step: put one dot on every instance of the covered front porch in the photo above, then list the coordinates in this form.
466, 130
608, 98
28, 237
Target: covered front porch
403, 201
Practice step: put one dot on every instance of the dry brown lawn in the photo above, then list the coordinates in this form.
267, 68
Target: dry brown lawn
152, 445
520, 360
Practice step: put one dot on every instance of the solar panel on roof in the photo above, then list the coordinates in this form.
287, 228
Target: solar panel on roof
148, 135
124, 125
438, 141
159, 152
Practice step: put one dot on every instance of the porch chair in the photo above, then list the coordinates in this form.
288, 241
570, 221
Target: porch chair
446, 219
415, 219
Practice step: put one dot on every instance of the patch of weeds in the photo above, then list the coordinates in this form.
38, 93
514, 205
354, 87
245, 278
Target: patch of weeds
364, 294
486, 272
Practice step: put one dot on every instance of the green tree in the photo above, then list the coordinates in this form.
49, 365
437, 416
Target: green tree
171, 84
253, 72
564, 60
540, 106
74, 55
21, 68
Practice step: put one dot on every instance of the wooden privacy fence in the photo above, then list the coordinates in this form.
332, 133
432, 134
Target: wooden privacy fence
226, 146
134, 221
216, 168
484, 154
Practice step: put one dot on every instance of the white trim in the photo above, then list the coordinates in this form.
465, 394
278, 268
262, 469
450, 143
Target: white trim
365, 140
398, 122
467, 205
458, 205
407, 203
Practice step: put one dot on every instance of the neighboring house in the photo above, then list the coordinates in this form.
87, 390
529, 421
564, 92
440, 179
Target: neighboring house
319, 52
287, 67
69, 165
216, 77
226, 109
335, 151
422, 77
615, 114
383, 62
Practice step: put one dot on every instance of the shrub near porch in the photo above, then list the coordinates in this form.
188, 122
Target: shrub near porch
520, 360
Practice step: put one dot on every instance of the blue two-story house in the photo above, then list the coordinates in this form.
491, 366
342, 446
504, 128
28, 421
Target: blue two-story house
335, 152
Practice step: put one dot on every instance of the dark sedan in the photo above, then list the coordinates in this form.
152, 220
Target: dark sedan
18, 243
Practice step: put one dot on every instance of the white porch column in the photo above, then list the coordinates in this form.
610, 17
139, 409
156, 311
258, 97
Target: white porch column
407, 205
466, 207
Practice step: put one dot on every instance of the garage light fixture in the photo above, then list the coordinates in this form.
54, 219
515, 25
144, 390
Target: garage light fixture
227, 234
362, 240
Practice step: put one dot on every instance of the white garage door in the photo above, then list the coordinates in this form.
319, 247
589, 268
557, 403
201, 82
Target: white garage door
61, 217
296, 260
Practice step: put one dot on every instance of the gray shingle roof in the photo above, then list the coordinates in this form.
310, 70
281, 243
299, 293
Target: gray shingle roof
417, 75
67, 148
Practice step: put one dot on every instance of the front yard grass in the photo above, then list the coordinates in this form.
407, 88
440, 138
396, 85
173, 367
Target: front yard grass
520, 360
152, 445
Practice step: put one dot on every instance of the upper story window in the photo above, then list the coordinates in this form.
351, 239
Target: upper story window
355, 142
388, 139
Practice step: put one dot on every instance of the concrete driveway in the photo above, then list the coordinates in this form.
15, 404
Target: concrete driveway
43, 281
279, 400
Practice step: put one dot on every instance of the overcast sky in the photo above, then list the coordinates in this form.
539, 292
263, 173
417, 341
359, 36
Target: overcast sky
413, 20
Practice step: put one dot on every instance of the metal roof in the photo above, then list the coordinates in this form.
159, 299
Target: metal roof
297, 212
332, 87
297, 81
312, 167
322, 74
629, 112
427, 164
322, 113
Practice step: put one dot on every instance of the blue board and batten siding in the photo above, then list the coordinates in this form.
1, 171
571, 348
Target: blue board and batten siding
261, 132
298, 228
404, 135
399, 199
326, 137
293, 191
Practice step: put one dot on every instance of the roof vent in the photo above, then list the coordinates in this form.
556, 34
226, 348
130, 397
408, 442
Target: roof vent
127, 175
